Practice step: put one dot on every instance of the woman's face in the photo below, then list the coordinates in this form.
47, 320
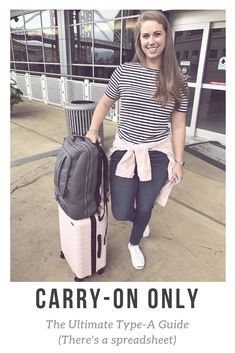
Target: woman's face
153, 41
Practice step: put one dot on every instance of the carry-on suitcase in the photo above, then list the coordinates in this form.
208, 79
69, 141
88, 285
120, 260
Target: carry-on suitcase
84, 243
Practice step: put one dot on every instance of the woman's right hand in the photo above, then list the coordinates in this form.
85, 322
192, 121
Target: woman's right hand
93, 136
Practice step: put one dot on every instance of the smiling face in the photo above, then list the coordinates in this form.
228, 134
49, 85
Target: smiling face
153, 41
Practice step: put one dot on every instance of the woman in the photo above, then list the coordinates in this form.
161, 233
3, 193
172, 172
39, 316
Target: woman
144, 161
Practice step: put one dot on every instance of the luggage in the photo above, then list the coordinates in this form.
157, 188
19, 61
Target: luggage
81, 181
80, 168
84, 243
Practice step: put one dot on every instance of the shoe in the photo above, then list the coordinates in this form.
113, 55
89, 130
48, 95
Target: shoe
146, 231
137, 257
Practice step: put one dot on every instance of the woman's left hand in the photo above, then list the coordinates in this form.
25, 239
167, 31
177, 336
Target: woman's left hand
177, 173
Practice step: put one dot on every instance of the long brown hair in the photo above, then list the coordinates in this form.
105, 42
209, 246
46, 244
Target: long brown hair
170, 80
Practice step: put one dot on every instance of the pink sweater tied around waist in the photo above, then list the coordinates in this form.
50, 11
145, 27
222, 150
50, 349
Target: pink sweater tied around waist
137, 155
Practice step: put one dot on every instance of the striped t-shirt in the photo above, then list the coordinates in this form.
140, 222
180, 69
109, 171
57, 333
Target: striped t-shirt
141, 118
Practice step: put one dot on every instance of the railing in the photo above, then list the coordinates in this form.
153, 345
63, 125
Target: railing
61, 90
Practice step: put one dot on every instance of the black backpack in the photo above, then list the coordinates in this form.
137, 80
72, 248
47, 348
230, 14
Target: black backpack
81, 177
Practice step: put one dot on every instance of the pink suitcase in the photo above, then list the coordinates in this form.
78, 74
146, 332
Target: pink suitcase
83, 243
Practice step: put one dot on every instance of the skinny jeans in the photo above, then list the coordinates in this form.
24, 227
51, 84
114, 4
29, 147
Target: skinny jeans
132, 199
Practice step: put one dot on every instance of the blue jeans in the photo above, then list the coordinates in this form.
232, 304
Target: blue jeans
132, 199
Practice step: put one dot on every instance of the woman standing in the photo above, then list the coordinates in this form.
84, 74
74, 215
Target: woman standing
145, 161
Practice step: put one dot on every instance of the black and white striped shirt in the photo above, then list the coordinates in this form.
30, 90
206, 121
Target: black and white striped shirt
141, 119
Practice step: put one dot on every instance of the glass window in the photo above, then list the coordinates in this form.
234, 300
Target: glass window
130, 12
11, 55
215, 68
213, 53
128, 50
21, 66
34, 43
105, 56
85, 54
107, 37
80, 16
104, 72
107, 31
53, 68
190, 106
106, 14
81, 44
188, 46
49, 18
32, 20
36, 67
178, 36
85, 71
31, 45
211, 115
51, 46
19, 46
17, 23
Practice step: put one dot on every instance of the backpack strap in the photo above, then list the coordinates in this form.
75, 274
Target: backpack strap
61, 189
102, 181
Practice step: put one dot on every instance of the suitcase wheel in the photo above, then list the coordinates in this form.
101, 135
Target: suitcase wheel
62, 255
100, 271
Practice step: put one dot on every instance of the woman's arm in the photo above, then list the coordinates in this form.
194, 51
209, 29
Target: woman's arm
103, 106
178, 141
